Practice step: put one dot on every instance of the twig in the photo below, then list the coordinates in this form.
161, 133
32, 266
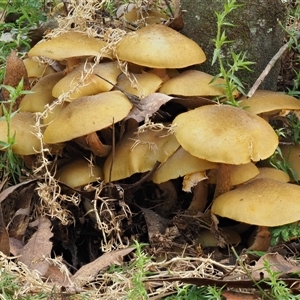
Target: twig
268, 68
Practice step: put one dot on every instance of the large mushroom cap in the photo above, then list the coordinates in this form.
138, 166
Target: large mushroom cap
158, 46
70, 44
225, 134
262, 202
87, 114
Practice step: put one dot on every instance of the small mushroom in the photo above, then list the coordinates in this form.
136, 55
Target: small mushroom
269, 103
41, 93
22, 125
138, 153
78, 173
143, 84
87, 85
194, 83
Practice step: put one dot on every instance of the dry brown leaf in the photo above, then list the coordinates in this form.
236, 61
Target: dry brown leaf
150, 105
38, 248
8, 191
89, 271
4, 237
278, 264
15, 246
20, 220
15, 71
55, 276
229, 295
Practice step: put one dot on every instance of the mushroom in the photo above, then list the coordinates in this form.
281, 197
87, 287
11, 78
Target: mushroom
174, 167
263, 202
71, 45
194, 83
227, 135
36, 69
269, 103
160, 47
86, 115
238, 173
272, 173
138, 153
41, 93
142, 85
22, 125
82, 84
291, 155
78, 173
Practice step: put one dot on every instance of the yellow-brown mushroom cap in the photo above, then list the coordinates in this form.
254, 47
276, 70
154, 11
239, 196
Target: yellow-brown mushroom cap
87, 84
22, 125
138, 153
225, 134
87, 114
262, 202
180, 163
158, 46
78, 173
70, 44
264, 101
194, 83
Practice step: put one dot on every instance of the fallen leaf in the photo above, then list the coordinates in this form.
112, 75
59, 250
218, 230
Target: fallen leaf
38, 248
4, 237
229, 295
19, 222
9, 190
278, 264
148, 106
89, 271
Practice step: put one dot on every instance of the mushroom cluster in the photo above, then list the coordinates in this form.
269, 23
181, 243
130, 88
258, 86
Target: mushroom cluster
89, 98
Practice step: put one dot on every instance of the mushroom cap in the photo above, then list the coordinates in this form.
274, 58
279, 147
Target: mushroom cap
87, 114
225, 134
22, 125
78, 173
92, 84
264, 101
194, 83
262, 202
158, 46
131, 157
70, 44
291, 154
37, 69
272, 173
42, 93
180, 163
147, 83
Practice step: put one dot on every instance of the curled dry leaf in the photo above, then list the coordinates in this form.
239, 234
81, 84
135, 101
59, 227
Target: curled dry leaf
38, 248
149, 106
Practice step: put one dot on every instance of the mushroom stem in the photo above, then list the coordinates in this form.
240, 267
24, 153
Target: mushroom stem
96, 145
223, 184
162, 73
262, 239
199, 198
